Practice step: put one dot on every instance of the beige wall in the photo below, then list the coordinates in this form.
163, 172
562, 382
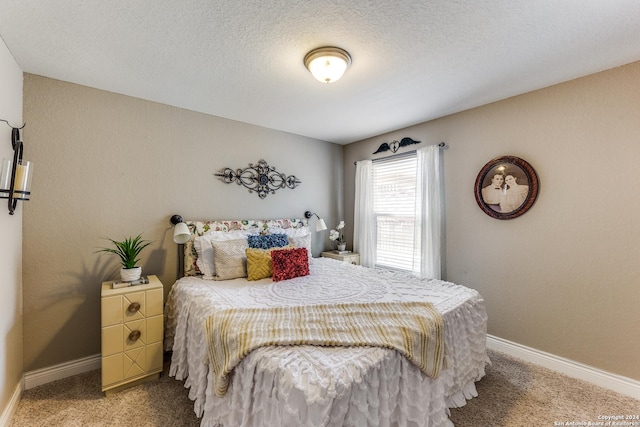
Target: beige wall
11, 240
564, 277
108, 165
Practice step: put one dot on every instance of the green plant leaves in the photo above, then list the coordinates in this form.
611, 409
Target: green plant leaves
127, 250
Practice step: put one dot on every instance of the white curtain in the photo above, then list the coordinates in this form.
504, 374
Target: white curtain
364, 227
428, 230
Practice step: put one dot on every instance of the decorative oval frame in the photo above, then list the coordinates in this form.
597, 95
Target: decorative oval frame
507, 206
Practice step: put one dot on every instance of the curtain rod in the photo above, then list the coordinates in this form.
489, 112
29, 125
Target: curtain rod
441, 145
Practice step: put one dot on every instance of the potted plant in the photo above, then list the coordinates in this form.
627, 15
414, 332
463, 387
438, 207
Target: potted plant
128, 251
338, 237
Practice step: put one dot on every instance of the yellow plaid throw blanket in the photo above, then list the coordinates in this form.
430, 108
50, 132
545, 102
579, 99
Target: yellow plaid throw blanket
415, 329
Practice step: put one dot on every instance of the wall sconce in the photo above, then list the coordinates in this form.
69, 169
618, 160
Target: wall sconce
320, 225
15, 176
181, 234
327, 64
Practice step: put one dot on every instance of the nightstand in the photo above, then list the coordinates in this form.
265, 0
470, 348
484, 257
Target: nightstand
132, 333
350, 257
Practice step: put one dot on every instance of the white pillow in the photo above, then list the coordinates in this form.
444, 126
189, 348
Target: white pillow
202, 244
290, 232
301, 242
230, 258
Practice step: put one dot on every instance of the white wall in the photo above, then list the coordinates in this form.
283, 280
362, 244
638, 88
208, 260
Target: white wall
10, 238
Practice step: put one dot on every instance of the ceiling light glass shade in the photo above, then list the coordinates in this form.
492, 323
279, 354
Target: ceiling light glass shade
327, 64
320, 225
181, 234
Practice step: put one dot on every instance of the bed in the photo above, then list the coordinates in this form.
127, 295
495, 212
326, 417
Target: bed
316, 385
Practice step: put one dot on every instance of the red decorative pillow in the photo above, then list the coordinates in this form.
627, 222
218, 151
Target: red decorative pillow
290, 263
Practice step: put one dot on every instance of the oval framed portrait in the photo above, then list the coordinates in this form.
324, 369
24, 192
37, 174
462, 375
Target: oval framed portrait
506, 187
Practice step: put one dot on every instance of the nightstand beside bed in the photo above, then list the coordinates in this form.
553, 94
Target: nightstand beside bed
350, 257
132, 334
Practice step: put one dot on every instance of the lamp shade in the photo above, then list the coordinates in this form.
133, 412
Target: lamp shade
181, 234
320, 225
327, 64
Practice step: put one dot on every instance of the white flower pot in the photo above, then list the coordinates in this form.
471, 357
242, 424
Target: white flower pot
342, 246
130, 274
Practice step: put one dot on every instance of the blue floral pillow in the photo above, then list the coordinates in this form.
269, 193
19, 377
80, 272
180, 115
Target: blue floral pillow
268, 241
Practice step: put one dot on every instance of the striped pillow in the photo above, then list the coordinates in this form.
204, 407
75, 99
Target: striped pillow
230, 259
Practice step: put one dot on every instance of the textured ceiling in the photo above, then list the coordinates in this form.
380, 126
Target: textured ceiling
413, 60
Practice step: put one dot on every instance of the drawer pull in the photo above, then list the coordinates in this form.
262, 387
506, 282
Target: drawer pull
134, 335
133, 307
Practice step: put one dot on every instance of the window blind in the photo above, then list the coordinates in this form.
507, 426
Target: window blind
394, 206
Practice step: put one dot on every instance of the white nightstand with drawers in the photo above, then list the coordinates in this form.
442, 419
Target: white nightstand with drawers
350, 257
132, 333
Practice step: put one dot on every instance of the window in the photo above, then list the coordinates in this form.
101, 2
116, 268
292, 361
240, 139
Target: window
394, 213
398, 210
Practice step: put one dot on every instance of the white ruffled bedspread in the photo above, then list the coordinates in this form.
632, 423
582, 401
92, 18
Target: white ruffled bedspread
327, 386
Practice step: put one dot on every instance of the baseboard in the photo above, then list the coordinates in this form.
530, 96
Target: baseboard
63, 370
7, 413
617, 383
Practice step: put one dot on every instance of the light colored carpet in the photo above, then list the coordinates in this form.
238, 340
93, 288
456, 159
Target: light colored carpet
513, 393
517, 393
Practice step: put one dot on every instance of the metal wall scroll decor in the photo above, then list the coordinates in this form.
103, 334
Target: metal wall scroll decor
395, 145
261, 178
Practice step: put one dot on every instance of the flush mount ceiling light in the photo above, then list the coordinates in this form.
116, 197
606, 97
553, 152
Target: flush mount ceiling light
327, 64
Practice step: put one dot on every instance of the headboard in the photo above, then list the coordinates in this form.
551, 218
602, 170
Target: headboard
188, 257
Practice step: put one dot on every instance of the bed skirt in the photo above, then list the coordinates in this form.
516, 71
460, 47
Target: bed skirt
320, 386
